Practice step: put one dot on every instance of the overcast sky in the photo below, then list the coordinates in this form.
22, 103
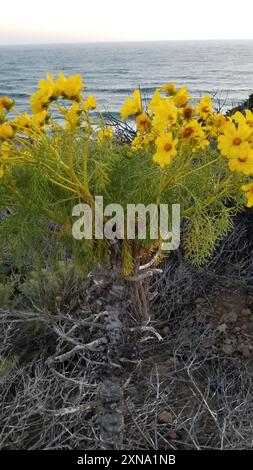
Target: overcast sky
47, 21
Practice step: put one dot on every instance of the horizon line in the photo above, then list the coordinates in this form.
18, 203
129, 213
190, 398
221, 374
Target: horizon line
139, 41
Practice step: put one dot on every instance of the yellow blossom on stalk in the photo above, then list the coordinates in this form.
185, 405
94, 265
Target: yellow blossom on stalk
243, 164
6, 131
22, 122
72, 116
170, 88
89, 103
6, 102
104, 134
233, 143
137, 143
39, 101
149, 138
191, 130
248, 188
181, 97
39, 119
69, 87
166, 149
216, 124
247, 119
155, 102
205, 107
48, 86
187, 112
143, 122
165, 114
132, 105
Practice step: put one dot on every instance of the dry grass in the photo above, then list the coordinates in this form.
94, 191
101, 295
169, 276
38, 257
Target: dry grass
179, 393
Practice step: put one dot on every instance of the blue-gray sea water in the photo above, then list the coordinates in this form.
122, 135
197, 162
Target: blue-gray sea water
112, 71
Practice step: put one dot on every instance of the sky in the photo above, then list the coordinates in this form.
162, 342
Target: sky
63, 21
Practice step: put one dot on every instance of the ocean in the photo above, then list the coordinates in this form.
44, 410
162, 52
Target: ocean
112, 70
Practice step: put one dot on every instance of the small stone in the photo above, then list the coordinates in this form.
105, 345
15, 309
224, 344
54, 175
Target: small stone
227, 348
221, 328
173, 435
246, 311
165, 330
230, 317
164, 417
200, 300
244, 350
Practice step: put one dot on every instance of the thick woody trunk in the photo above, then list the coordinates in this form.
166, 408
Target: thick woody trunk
127, 302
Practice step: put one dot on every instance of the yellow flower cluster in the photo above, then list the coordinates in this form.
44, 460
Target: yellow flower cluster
32, 126
170, 122
168, 126
174, 125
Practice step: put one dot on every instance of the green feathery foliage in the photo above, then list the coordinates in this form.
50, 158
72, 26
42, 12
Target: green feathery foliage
39, 204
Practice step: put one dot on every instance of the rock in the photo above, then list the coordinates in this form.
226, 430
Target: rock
173, 435
230, 317
227, 348
165, 331
228, 341
164, 417
221, 328
243, 348
200, 301
246, 312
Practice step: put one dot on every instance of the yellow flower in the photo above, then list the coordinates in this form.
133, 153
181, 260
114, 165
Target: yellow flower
247, 119
149, 138
181, 97
72, 116
205, 107
6, 131
132, 105
169, 88
191, 130
1, 170
137, 142
39, 101
48, 86
248, 188
165, 114
38, 120
104, 134
89, 103
155, 102
6, 102
143, 122
166, 149
243, 164
193, 134
233, 143
216, 124
187, 112
21, 122
70, 87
